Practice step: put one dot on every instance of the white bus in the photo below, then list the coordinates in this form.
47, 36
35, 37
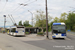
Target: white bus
58, 30
17, 30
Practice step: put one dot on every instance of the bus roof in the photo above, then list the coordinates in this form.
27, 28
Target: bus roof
58, 23
8, 27
13, 26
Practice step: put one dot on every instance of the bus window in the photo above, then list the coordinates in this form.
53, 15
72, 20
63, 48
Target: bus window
13, 29
59, 29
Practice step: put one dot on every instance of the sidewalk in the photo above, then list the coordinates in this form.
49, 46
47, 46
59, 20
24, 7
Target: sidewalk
71, 33
31, 37
35, 36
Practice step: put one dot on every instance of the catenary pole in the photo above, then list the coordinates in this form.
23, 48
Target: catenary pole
46, 21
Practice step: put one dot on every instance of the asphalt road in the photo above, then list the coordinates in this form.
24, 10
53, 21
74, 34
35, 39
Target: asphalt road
36, 43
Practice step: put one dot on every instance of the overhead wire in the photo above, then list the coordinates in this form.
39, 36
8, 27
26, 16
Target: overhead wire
13, 18
19, 6
4, 5
32, 2
15, 9
26, 4
10, 18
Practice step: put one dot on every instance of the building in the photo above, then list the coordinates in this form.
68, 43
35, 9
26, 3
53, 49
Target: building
1, 29
35, 29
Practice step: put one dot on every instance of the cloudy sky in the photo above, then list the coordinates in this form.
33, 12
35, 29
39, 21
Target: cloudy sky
20, 12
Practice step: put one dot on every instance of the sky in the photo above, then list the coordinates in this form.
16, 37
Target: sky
20, 12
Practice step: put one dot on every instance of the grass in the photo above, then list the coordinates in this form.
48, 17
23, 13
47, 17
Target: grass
40, 33
27, 33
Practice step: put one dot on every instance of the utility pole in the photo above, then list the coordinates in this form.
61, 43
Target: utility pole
4, 22
32, 16
46, 21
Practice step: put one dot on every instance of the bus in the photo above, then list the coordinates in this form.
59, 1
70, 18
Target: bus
17, 30
58, 30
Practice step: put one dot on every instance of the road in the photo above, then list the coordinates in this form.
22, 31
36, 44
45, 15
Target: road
36, 43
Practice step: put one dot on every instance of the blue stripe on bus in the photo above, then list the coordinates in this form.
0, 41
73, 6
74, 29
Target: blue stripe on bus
56, 33
63, 34
53, 36
56, 23
16, 31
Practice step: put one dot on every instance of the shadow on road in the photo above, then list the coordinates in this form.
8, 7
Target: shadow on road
59, 39
19, 36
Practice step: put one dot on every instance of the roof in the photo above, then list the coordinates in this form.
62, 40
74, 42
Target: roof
34, 27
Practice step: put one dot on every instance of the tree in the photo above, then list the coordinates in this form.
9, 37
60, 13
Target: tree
68, 19
50, 25
20, 23
70, 22
26, 24
40, 19
56, 19
63, 17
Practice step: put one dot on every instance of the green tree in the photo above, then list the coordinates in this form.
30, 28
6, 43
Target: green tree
50, 25
68, 19
70, 22
40, 19
20, 23
26, 24
56, 19
63, 17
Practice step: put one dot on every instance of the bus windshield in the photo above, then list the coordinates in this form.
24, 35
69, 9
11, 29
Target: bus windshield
59, 29
20, 29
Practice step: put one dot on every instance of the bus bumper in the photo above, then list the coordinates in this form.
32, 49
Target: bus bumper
58, 37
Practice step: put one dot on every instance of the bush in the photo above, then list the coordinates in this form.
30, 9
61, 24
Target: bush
27, 32
40, 33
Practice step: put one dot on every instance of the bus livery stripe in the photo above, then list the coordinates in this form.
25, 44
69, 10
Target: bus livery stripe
16, 31
53, 36
63, 34
56, 33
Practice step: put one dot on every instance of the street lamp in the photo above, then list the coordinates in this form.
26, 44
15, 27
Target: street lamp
32, 16
46, 21
4, 22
